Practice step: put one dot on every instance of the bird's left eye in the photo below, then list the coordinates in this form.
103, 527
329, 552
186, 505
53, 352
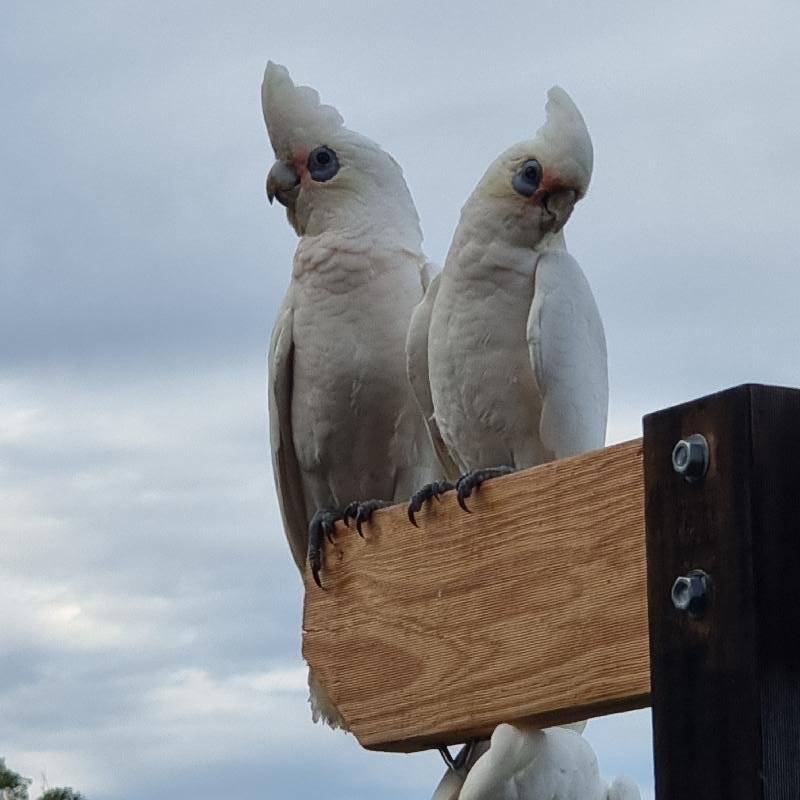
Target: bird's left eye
322, 163
527, 178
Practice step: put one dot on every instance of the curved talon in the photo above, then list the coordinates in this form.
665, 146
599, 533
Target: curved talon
427, 492
315, 568
321, 527
461, 758
365, 512
446, 757
315, 547
315, 561
361, 518
464, 490
470, 481
356, 511
361, 512
415, 504
350, 513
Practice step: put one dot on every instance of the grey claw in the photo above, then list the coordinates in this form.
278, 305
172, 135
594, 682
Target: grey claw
461, 759
349, 513
446, 757
329, 528
322, 527
470, 481
361, 512
419, 498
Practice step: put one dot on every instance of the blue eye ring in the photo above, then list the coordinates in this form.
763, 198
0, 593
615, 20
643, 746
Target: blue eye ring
323, 163
527, 178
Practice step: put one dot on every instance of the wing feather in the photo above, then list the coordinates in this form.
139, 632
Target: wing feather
567, 348
417, 368
288, 479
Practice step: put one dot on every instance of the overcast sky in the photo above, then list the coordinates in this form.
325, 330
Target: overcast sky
150, 608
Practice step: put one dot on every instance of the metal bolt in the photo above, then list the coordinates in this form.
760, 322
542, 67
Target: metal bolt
690, 457
691, 593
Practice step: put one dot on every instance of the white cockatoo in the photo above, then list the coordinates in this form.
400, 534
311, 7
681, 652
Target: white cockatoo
344, 425
507, 357
530, 764
507, 353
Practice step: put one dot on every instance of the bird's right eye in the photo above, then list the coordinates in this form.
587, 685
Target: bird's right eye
322, 163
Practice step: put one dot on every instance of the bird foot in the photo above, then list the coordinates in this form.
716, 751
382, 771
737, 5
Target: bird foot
471, 481
321, 527
361, 511
461, 758
427, 492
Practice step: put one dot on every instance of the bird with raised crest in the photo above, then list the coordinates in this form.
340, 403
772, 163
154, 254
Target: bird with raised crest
346, 434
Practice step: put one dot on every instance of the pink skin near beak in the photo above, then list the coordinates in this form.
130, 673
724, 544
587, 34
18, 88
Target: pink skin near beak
556, 199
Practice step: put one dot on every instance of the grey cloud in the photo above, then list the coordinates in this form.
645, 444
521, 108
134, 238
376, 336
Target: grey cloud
143, 631
147, 589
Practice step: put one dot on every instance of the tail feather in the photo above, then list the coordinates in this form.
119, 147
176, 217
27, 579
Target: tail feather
322, 707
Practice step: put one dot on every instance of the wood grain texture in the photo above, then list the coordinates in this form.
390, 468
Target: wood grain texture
531, 608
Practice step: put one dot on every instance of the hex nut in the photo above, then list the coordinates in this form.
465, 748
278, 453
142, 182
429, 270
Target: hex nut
691, 593
690, 457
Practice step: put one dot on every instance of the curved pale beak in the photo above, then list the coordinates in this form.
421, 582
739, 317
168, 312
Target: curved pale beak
559, 205
282, 183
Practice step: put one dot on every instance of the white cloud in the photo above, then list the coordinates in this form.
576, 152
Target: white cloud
19, 423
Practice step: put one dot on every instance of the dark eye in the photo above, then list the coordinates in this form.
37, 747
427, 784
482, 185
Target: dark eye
527, 178
322, 164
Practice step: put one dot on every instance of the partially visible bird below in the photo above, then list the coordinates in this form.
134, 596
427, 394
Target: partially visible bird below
531, 764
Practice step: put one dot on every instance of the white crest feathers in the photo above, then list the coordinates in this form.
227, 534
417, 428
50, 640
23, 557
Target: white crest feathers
294, 116
567, 138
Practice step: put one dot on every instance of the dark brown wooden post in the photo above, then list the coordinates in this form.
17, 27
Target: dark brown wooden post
725, 678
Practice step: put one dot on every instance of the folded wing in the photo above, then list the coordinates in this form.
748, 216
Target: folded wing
567, 347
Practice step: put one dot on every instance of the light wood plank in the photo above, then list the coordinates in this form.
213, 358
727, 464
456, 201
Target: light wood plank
533, 607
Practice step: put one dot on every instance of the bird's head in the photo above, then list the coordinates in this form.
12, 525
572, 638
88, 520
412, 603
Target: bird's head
535, 184
326, 175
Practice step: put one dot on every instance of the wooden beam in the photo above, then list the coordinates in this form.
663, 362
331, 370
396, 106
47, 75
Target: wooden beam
726, 680
531, 608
